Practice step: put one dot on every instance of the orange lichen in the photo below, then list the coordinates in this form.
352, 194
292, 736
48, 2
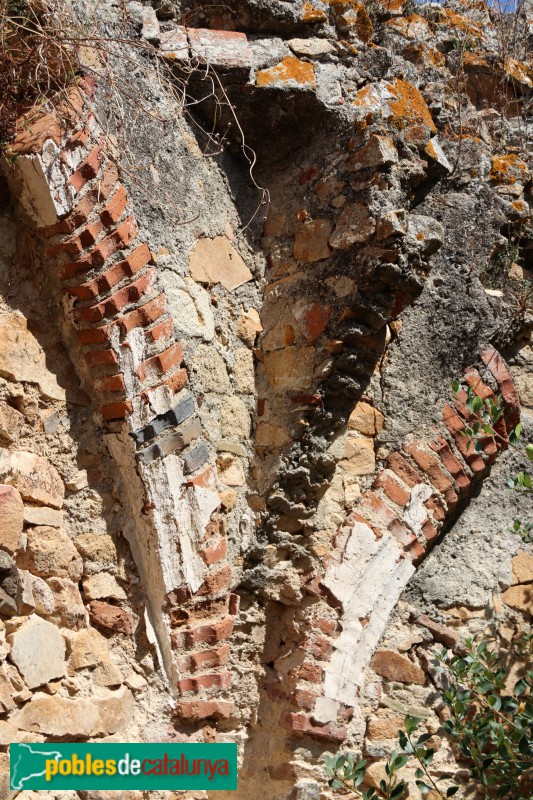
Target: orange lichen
473, 60
312, 14
454, 20
409, 106
508, 169
413, 27
289, 70
418, 53
519, 71
353, 14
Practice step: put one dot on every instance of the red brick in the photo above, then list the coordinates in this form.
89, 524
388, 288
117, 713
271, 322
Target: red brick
175, 383
435, 505
403, 469
327, 626
78, 139
144, 315
112, 411
100, 358
196, 710
438, 478
117, 240
110, 307
111, 383
473, 379
76, 245
303, 698
376, 510
318, 647
495, 363
456, 425
416, 552
205, 659
95, 335
401, 533
308, 671
451, 463
163, 330
213, 681
87, 170
429, 531
204, 634
300, 723
392, 488
213, 554
136, 260
114, 209
157, 365
217, 581
204, 610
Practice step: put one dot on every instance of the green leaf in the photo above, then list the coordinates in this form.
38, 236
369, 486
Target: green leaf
423, 786
529, 451
335, 784
397, 791
456, 387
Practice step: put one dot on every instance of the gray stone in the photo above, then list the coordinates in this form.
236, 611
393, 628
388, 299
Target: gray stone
38, 651
195, 458
425, 234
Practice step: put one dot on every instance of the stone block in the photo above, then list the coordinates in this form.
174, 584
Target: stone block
217, 261
51, 553
38, 652
11, 518
171, 442
222, 49
195, 458
34, 476
174, 44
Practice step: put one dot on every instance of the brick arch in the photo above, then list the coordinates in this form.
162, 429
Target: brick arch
412, 502
120, 335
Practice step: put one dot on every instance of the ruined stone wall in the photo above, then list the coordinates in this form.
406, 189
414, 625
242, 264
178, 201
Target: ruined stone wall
238, 505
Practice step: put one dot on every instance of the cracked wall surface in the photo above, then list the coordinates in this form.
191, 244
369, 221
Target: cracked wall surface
236, 501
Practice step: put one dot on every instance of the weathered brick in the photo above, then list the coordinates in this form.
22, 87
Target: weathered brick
473, 379
215, 680
119, 239
161, 363
197, 710
392, 488
300, 723
205, 659
452, 464
132, 264
416, 552
429, 531
87, 170
303, 698
195, 458
375, 509
318, 647
144, 315
112, 411
114, 209
309, 671
404, 470
327, 626
175, 383
225, 49
77, 244
171, 443
110, 307
430, 467
217, 581
101, 358
203, 634
110, 383
214, 553
163, 330
176, 415
437, 508
495, 363
203, 610
456, 425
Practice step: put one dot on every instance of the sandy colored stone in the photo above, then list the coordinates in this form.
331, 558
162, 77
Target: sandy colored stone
11, 421
50, 553
268, 435
243, 371
384, 727
22, 358
366, 419
8, 733
69, 610
377, 152
311, 241
98, 551
524, 385
38, 651
102, 585
235, 422
523, 568
248, 326
230, 470
107, 674
60, 716
217, 261
312, 47
43, 596
11, 518
520, 597
354, 225
359, 457
211, 369
34, 476
290, 369
394, 667
87, 648
43, 515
